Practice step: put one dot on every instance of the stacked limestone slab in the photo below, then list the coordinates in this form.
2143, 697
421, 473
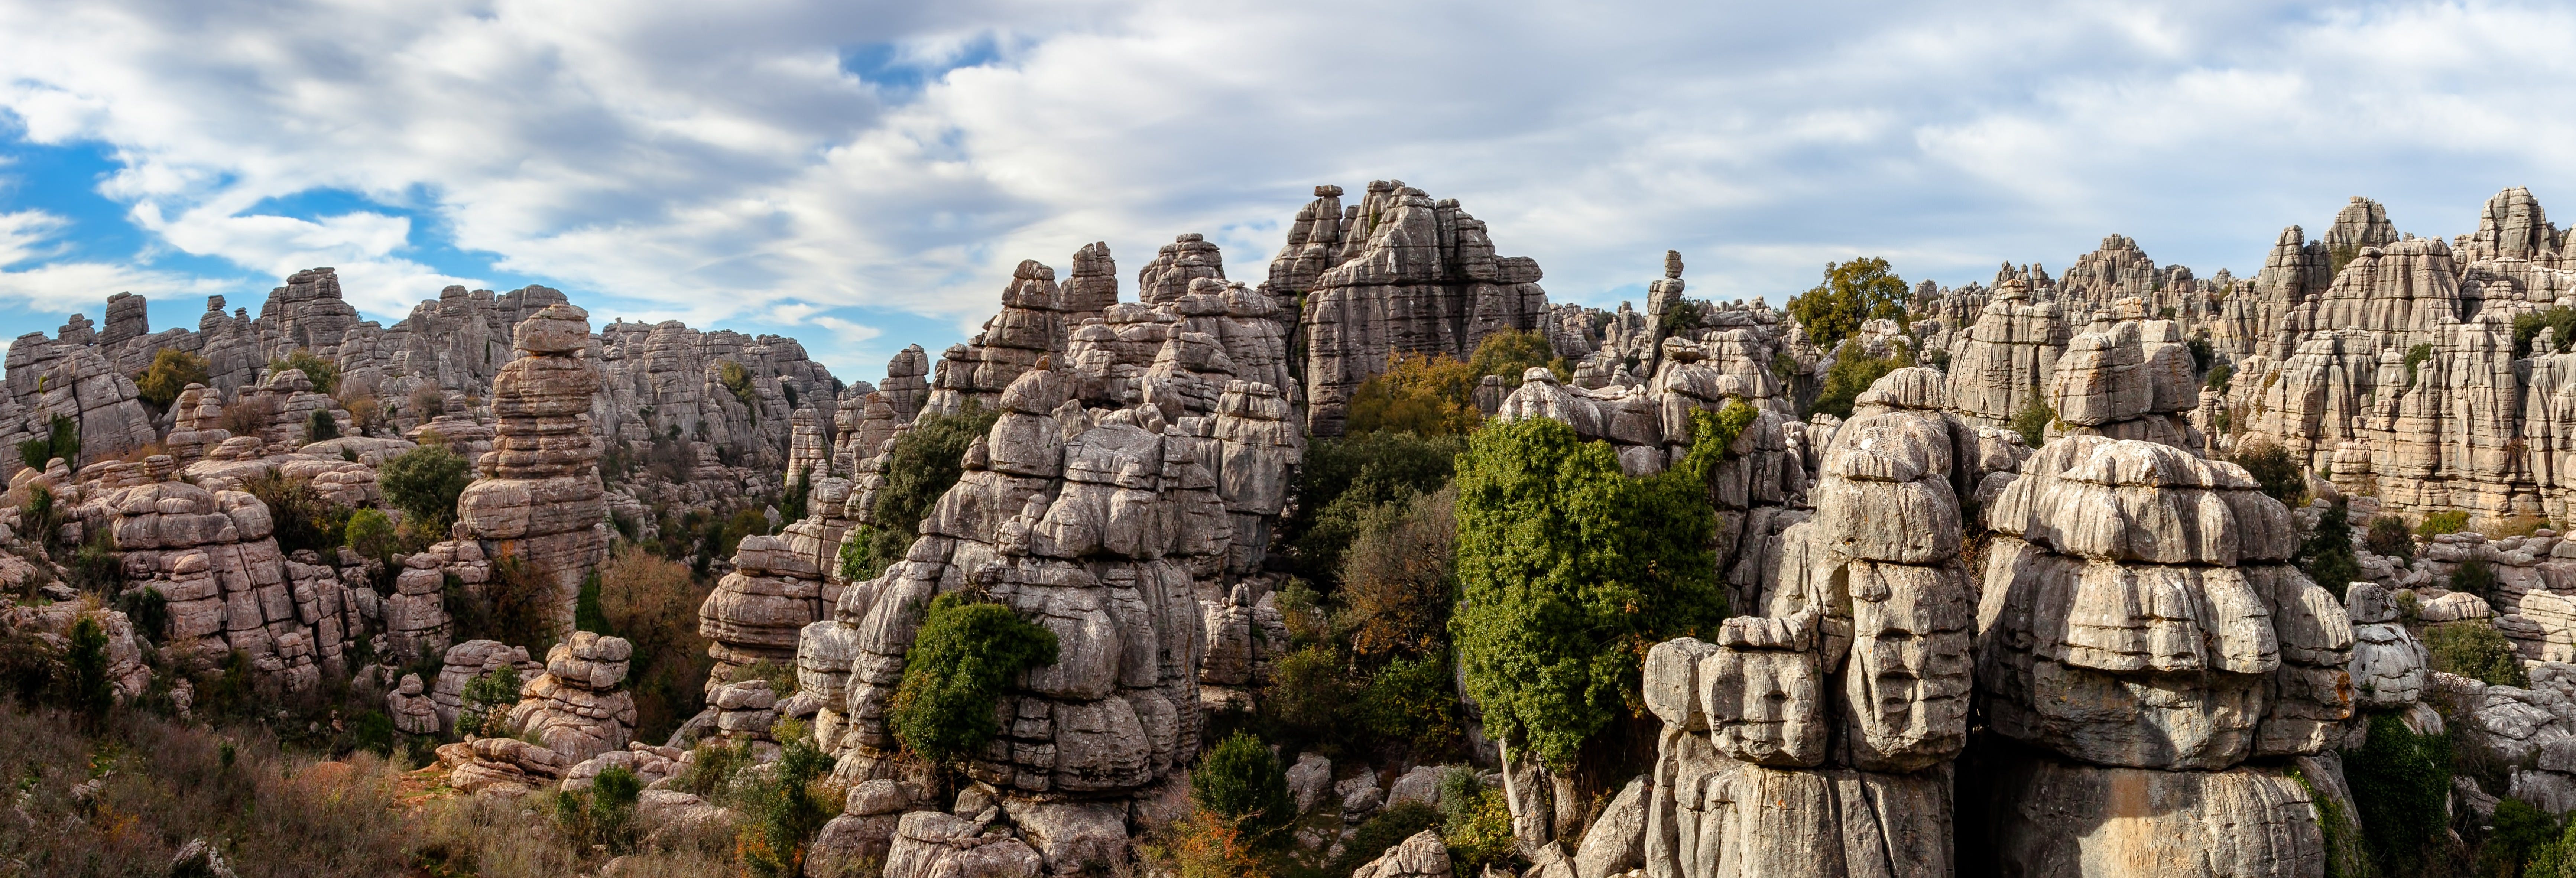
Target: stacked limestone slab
1817, 738
539, 499
578, 708
2129, 379
2002, 362
2140, 638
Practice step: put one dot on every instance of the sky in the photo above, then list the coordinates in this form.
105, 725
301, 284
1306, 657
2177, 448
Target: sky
863, 175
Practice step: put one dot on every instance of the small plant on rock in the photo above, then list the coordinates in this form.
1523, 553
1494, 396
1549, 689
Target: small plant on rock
1239, 780
965, 651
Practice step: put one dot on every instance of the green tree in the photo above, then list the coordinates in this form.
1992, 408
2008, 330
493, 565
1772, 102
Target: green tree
62, 439
926, 461
2033, 420
1513, 351
92, 692
321, 426
2560, 321
324, 374
424, 483
2273, 467
1242, 782
2401, 787
486, 702
172, 370
1568, 569
2327, 553
1853, 373
1342, 479
965, 651
371, 534
1852, 293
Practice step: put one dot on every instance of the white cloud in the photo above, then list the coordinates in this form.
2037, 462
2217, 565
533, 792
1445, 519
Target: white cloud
725, 168
29, 239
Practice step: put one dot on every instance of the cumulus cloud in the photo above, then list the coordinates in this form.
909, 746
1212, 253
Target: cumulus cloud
783, 162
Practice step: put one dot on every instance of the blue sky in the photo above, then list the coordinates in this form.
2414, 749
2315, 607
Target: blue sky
862, 176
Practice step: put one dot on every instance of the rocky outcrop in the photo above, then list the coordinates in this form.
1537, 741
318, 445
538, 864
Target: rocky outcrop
755, 612
577, 708
2130, 379
1835, 714
1397, 273
2005, 360
539, 501
2121, 572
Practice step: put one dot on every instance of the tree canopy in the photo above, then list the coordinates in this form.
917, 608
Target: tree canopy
1568, 570
1852, 293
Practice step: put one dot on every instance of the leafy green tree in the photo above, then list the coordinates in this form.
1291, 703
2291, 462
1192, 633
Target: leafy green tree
2327, 553
2472, 648
92, 692
1242, 782
2401, 787
1852, 293
1852, 374
1568, 570
2282, 476
785, 811
2389, 535
1513, 351
371, 533
2560, 321
965, 651
486, 702
424, 483
321, 427
1342, 479
324, 374
926, 461
171, 372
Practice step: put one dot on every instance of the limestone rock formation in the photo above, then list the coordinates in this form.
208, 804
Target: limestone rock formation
1396, 273
2121, 572
577, 708
539, 501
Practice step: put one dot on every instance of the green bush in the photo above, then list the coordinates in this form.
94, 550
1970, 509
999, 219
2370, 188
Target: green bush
961, 658
1410, 703
604, 814
62, 439
2476, 577
924, 463
1568, 570
2282, 476
487, 700
2446, 522
586, 612
93, 693
2327, 552
171, 372
2388, 535
1389, 828
1476, 821
424, 483
325, 375
1342, 479
711, 770
737, 380
2527, 326
2220, 376
1852, 293
1240, 781
2033, 419
371, 534
373, 732
788, 805
2473, 648
2415, 358
299, 516
2401, 787
147, 608
1513, 351
1309, 701
2519, 830
1852, 374
322, 427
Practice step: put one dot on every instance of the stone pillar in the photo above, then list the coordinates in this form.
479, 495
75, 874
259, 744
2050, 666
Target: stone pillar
539, 500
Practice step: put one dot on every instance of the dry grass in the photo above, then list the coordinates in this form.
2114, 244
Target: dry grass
275, 812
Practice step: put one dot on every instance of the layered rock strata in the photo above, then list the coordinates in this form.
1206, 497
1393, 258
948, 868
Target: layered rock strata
539, 501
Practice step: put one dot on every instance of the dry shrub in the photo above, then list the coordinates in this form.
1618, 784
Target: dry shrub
1204, 845
2516, 526
247, 415
653, 603
1396, 576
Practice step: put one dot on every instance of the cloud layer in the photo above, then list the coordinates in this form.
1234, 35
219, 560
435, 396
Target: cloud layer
863, 175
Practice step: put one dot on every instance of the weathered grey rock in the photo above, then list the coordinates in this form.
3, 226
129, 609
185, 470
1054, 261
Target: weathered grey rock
1310, 779
1616, 842
540, 499
577, 707
2054, 818
1422, 856
929, 844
